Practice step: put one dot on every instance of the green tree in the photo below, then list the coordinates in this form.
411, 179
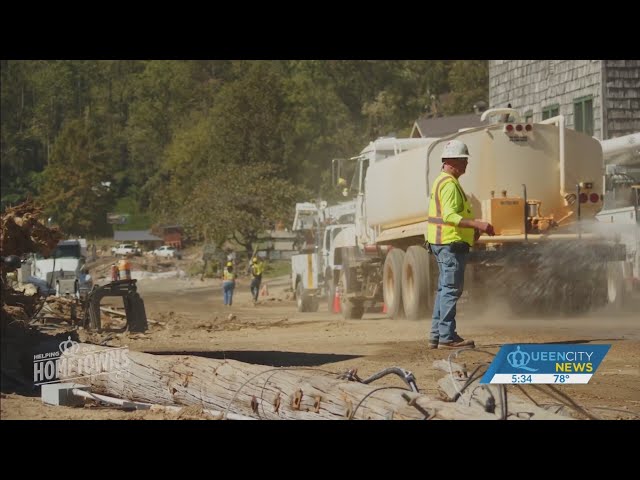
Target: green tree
165, 94
75, 188
319, 126
239, 205
469, 83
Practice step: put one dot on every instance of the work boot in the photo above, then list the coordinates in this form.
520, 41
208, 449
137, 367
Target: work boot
458, 342
433, 343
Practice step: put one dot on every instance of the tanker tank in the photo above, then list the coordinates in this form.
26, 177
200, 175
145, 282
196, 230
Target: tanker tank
397, 187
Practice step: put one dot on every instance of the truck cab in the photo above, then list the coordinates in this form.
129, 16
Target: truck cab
315, 269
63, 273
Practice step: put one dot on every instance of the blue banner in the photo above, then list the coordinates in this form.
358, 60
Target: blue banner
545, 363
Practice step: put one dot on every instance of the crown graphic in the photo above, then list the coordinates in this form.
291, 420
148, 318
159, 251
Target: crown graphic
69, 345
520, 359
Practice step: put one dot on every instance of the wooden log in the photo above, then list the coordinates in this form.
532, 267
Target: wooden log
259, 391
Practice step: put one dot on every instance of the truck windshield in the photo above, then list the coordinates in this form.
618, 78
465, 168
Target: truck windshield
65, 251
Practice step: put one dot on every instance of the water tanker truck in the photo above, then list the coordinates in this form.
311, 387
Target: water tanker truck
538, 184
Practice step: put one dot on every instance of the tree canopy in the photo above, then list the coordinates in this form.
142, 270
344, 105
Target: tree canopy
225, 147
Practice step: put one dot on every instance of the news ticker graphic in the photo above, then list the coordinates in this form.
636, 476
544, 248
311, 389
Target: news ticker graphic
545, 363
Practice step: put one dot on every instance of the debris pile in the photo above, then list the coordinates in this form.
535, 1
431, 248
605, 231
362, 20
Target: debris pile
24, 232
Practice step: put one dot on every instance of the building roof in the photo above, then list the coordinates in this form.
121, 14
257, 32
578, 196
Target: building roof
442, 126
135, 236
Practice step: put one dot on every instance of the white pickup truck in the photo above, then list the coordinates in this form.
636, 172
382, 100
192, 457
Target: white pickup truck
125, 249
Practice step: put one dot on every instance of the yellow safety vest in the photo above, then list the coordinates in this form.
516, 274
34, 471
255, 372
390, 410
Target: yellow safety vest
439, 232
227, 275
257, 269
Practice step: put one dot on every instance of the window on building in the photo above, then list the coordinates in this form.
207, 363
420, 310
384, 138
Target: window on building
583, 115
550, 111
528, 116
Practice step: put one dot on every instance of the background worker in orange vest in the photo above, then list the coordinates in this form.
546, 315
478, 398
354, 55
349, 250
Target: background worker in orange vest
125, 269
228, 283
451, 232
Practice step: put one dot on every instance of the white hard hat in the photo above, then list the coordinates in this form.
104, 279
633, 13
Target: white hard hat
455, 149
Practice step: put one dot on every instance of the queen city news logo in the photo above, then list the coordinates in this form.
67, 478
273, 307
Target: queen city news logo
545, 363
73, 361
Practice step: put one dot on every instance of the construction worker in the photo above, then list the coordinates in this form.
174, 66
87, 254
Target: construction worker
451, 232
342, 183
115, 273
228, 283
125, 269
257, 267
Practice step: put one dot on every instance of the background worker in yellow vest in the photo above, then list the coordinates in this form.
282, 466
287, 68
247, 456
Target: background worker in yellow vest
451, 232
257, 267
228, 283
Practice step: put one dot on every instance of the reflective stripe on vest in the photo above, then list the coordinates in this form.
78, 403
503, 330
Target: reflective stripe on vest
438, 216
438, 231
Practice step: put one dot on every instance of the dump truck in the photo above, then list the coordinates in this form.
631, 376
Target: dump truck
537, 183
315, 269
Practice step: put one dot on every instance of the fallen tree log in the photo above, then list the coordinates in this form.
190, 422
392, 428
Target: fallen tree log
465, 387
258, 391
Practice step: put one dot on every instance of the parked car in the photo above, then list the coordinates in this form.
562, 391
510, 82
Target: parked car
125, 249
167, 252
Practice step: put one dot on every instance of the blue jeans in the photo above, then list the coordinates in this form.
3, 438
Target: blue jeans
255, 287
450, 284
227, 290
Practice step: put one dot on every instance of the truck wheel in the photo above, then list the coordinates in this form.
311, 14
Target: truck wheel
415, 283
392, 283
350, 310
313, 304
304, 302
615, 284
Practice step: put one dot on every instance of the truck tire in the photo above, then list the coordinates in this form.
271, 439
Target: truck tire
304, 301
392, 283
416, 283
351, 310
313, 303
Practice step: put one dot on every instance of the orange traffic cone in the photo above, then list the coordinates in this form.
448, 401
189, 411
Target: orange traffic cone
264, 291
336, 301
384, 307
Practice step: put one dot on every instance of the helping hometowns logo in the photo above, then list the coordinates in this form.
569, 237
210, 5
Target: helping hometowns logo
73, 361
545, 363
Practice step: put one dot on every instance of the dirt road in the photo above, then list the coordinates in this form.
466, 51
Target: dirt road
274, 333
